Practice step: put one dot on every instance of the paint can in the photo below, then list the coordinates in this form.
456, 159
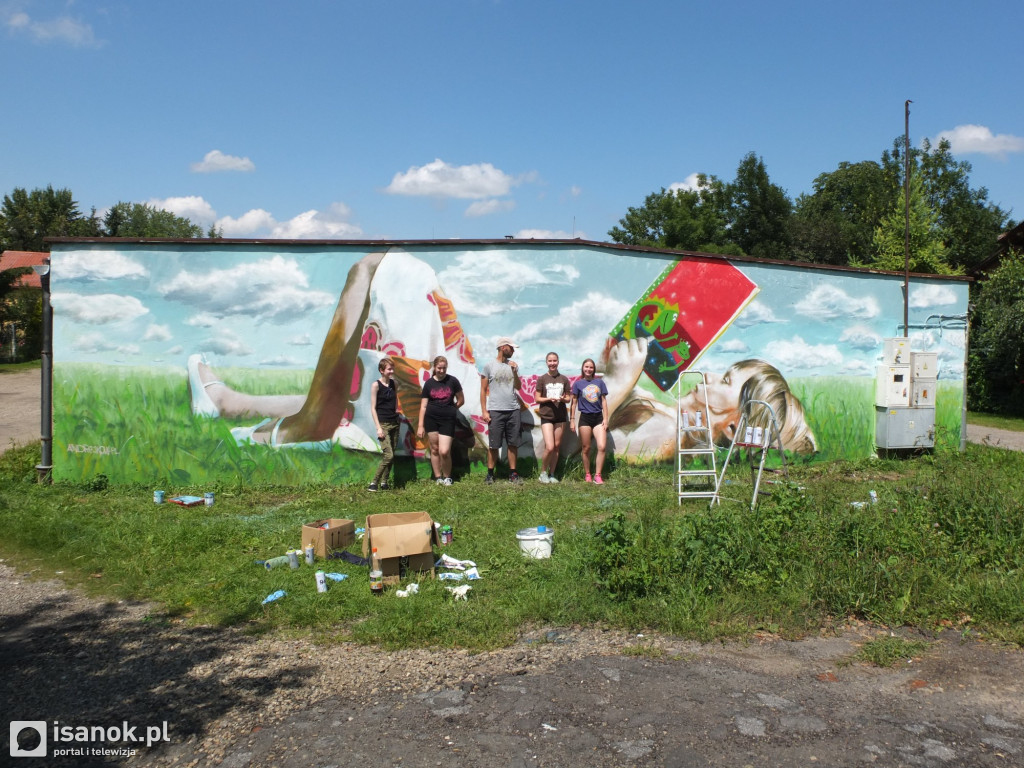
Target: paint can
321, 582
293, 558
276, 562
758, 435
158, 497
310, 554
208, 499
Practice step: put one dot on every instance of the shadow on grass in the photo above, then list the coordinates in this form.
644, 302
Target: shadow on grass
107, 665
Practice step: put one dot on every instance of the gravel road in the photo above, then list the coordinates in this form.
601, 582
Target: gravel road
557, 697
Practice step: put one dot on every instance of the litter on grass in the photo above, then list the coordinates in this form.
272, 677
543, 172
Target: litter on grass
459, 592
274, 596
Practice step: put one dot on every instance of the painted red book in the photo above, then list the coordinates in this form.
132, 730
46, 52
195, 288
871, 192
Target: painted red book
689, 306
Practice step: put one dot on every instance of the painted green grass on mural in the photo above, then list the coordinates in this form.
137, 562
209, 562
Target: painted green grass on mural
944, 546
136, 424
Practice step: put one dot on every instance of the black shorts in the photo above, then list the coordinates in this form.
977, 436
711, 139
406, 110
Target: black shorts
591, 419
555, 420
443, 425
504, 424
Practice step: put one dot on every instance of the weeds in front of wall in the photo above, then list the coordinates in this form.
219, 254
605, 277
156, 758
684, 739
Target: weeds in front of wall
944, 541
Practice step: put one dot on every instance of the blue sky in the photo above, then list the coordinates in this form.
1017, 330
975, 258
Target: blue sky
480, 119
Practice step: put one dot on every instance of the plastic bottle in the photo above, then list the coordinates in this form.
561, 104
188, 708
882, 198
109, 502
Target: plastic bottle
376, 574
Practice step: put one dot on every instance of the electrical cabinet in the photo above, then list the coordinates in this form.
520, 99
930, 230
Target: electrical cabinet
899, 427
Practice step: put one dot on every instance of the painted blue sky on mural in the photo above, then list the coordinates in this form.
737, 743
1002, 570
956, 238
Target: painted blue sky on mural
271, 307
483, 118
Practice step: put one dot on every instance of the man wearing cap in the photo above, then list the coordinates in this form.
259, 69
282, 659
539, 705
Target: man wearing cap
500, 407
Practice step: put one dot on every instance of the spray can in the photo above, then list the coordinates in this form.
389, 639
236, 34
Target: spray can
276, 562
698, 418
310, 554
321, 582
748, 435
758, 435
293, 558
685, 415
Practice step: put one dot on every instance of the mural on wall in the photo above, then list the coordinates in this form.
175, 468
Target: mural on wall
255, 360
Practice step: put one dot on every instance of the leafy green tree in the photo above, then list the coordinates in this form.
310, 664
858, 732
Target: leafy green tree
687, 219
927, 253
760, 212
995, 372
836, 223
26, 218
142, 220
969, 222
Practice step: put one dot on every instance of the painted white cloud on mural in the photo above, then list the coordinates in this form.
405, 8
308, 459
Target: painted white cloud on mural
158, 333
756, 313
85, 266
202, 320
489, 282
226, 343
271, 290
98, 310
586, 321
96, 342
858, 367
733, 346
282, 361
861, 337
827, 302
927, 296
797, 354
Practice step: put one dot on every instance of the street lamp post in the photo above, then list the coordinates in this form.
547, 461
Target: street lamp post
45, 466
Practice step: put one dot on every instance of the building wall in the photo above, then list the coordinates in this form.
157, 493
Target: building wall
299, 327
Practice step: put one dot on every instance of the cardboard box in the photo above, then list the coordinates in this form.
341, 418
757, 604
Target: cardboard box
405, 543
337, 535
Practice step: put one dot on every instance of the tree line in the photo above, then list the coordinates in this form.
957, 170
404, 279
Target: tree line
853, 216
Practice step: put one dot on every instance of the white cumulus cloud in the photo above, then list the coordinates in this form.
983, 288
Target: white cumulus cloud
62, 29
332, 223
98, 310
688, 184
192, 207
827, 302
216, 161
979, 139
487, 207
441, 179
928, 296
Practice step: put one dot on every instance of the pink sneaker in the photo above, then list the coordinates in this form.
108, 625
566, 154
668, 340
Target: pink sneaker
586, 478
598, 480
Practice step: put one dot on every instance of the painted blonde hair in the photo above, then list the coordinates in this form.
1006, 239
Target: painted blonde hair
766, 384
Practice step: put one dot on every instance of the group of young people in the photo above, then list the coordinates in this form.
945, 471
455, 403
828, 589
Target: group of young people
558, 402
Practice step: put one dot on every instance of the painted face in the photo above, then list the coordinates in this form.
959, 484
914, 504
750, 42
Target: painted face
589, 369
440, 369
552, 361
723, 402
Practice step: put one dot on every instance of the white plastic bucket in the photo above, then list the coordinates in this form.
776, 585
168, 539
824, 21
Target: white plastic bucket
536, 542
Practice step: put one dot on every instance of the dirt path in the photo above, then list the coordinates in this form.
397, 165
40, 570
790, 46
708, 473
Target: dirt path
19, 408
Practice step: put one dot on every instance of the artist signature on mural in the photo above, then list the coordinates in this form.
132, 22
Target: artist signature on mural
105, 450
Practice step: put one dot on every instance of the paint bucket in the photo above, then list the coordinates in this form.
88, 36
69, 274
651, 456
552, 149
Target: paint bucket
536, 542
208, 499
158, 497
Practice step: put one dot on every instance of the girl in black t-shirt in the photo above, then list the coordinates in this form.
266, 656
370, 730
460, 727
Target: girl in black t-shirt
439, 408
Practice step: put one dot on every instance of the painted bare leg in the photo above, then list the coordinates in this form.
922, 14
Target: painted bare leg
232, 404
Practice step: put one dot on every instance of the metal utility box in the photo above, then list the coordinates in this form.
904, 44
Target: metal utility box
924, 365
892, 385
897, 427
896, 351
922, 393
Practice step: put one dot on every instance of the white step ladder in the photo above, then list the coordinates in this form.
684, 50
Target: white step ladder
694, 442
758, 432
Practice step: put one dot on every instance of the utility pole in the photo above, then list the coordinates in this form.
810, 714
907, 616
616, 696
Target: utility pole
906, 220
